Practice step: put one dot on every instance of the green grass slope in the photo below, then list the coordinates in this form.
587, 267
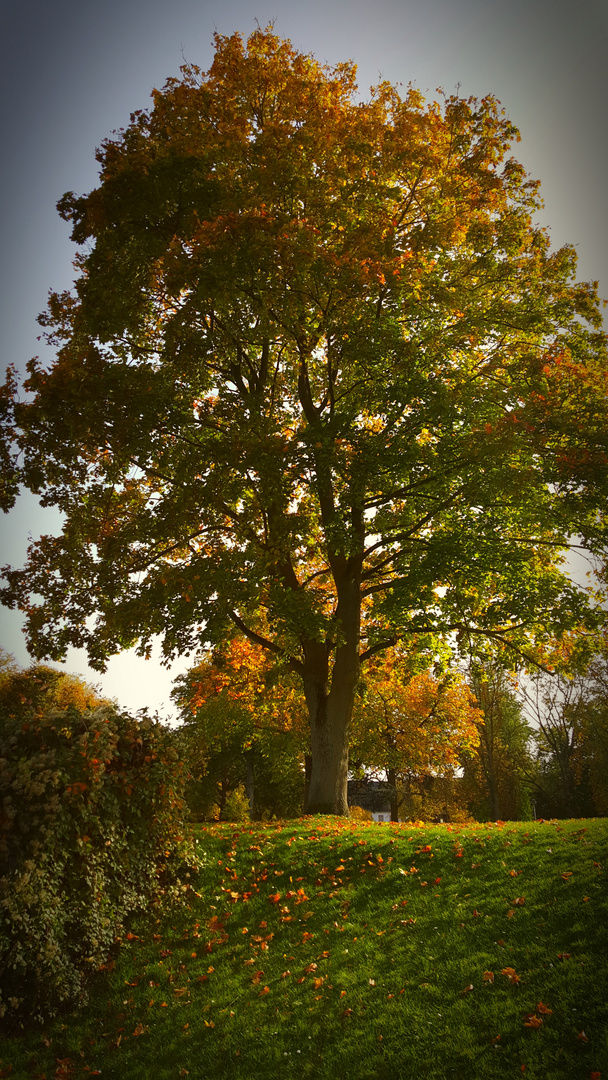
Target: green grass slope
324, 948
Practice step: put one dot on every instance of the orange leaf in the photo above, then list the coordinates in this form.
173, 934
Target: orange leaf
467, 989
531, 1020
274, 898
582, 1037
543, 1009
567, 874
511, 974
488, 976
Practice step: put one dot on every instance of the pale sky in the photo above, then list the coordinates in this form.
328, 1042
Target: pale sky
71, 71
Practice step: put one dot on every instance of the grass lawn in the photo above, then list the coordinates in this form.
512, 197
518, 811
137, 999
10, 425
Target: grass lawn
324, 948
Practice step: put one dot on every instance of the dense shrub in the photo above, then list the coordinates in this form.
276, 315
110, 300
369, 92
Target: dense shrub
91, 814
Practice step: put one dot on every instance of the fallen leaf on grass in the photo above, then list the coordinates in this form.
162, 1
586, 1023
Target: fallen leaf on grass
567, 874
488, 976
209, 1024
543, 1009
531, 1020
511, 974
582, 1037
467, 989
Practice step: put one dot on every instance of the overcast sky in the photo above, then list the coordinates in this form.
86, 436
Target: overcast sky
71, 72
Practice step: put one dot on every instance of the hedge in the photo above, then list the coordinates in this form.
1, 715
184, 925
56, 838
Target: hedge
91, 830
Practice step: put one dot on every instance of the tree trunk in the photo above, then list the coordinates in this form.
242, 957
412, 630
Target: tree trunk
307, 776
391, 775
250, 781
330, 711
328, 789
493, 793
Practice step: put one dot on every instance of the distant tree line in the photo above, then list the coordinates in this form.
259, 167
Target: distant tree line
487, 747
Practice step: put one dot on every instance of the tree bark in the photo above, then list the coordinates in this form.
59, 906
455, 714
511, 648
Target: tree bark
250, 781
328, 788
330, 710
391, 775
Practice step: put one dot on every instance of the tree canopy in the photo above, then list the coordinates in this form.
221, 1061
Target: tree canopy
321, 378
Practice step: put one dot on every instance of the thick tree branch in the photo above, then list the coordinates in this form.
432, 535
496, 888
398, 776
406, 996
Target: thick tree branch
271, 646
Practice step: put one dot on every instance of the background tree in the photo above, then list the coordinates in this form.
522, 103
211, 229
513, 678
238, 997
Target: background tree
499, 772
244, 733
411, 725
320, 377
570, 717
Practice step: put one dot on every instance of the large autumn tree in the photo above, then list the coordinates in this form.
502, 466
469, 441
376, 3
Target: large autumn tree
320, 377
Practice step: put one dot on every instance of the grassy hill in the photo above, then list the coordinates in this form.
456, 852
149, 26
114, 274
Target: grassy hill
326, 948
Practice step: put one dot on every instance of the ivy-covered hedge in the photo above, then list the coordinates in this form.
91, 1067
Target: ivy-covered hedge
91, 829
